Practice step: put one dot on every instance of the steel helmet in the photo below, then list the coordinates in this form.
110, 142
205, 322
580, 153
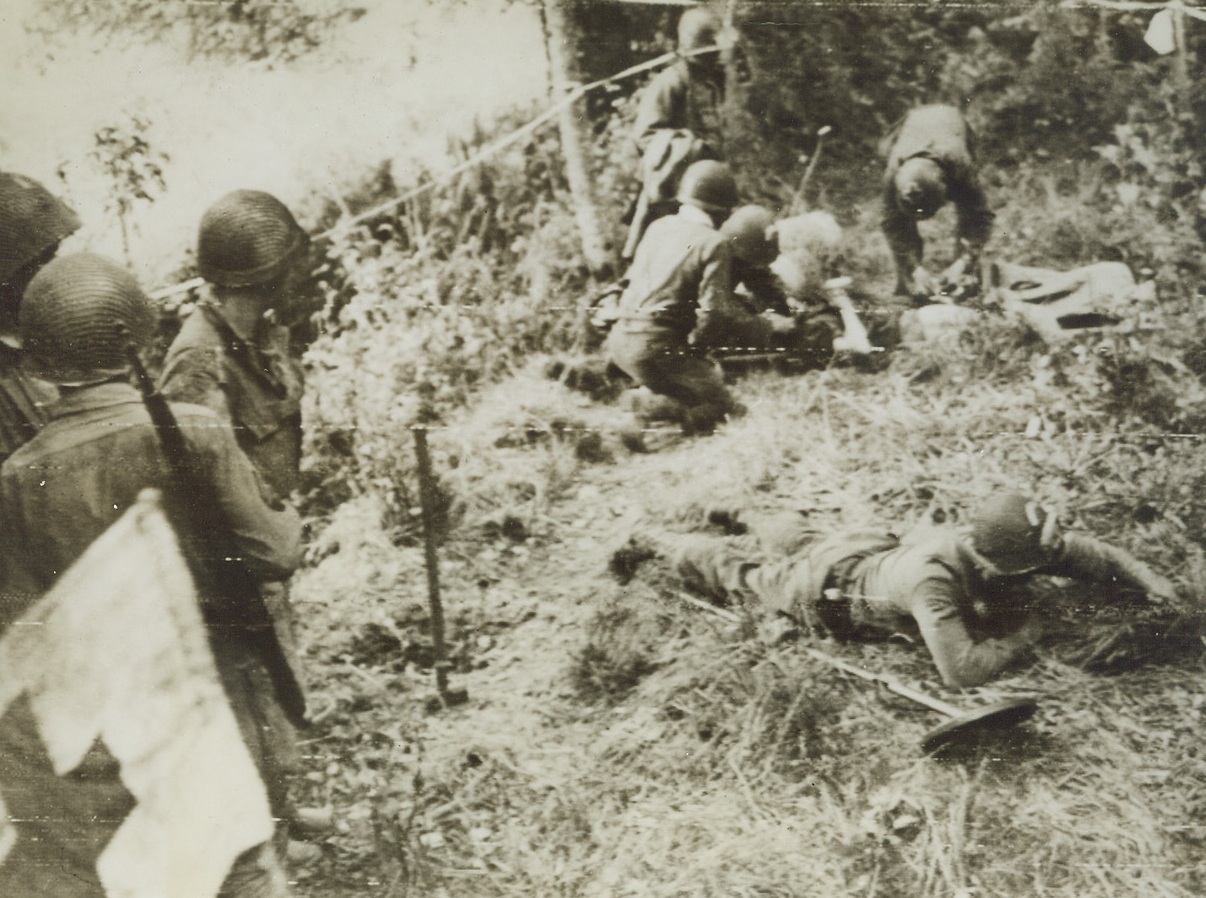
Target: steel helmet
709, 185
247, 237
750, 232
920, 186
697, 28
32, 221
1015, 533
78, 315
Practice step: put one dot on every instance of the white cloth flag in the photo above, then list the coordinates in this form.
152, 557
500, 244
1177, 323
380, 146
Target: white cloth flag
117, 652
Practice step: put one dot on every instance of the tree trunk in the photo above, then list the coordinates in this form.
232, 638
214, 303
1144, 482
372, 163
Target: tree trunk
563, 39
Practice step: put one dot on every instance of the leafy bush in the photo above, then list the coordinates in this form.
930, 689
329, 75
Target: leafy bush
429, 304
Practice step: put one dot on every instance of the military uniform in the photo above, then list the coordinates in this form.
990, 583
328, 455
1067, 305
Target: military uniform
930, 585
682, 97
23, 402
64, 487
678, 292
941, 134
250, 380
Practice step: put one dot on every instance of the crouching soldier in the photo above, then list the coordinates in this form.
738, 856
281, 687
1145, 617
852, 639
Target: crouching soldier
679, 288
33, 223
959, 591
931, 161
784, 278
61, 490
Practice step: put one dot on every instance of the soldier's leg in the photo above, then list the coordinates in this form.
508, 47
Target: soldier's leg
717, 568
697, 384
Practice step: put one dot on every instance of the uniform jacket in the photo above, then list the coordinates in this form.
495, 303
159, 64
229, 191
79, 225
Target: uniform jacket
64, 487
942, 134
679, 279
681, 97
934, 587
23, 401
928, 585
58, 493
248, 379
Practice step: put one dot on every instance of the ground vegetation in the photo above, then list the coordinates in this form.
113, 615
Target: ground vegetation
619, 740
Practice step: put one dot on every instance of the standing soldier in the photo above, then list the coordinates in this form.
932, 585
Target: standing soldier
678, 121
232, 356
232, 353
932, 161
32, 224
66, 486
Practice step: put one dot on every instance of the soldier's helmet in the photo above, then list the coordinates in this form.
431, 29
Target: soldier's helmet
710, 186
920, 187
32, 223
697, 28
78, 315
751, 235
1014, 533
247, 238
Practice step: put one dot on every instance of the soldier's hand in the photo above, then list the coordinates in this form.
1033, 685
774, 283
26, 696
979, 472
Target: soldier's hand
921, 284
1160, 590
780, 324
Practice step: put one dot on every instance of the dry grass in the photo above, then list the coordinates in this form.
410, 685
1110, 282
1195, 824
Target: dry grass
621, 743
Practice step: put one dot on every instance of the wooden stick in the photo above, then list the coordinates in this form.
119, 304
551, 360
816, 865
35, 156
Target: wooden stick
427, 506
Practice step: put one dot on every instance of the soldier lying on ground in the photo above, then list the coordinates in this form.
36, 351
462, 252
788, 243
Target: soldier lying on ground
678, 287
952, 588
78, 475
931, 161
32, 224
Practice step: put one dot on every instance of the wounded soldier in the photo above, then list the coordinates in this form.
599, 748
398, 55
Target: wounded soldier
959, 591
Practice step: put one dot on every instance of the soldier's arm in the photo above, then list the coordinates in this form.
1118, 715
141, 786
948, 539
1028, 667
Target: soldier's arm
195, 375
973, 218
961, 659
715, 296
904, 240
1085, 558
268, 539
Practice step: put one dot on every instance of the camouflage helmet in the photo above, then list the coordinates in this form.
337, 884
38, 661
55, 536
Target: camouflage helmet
710, 186
77, 317
697, 28
32, 221
1014, 533
920, 186
750, 233
246, 238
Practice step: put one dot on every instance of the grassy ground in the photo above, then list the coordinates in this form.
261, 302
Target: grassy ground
620, 742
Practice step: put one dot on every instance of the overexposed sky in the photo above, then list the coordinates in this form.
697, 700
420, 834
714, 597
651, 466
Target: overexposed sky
312, 128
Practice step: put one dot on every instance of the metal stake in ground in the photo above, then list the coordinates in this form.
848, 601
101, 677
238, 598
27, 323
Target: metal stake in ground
446, 697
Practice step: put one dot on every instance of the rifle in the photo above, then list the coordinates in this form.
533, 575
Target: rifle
208, 546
